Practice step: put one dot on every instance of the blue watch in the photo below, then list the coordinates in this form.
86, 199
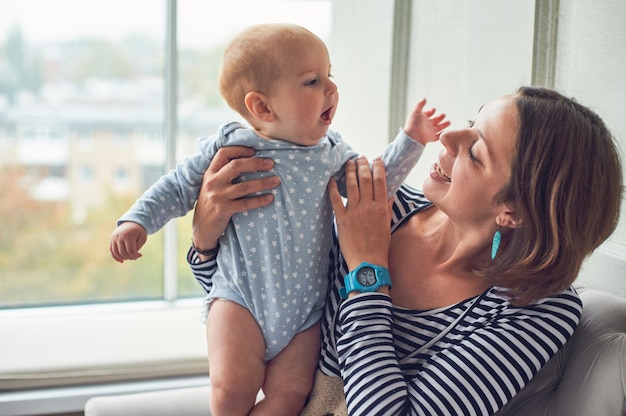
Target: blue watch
366, 277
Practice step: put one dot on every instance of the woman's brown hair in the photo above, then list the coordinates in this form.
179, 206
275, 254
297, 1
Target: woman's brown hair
566, 187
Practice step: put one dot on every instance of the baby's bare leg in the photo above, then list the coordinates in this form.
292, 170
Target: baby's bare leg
289, 376
236, 358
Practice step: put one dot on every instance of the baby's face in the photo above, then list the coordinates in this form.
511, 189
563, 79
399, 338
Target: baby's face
304, 98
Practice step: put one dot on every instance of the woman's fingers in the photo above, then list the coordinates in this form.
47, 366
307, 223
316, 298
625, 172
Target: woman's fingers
228, 164
246, 204
379, 180
352, 183
225, 154
372, 179
235, 167
365, 182
335, 198
364, 179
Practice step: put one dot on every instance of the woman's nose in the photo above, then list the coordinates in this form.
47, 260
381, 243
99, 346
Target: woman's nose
450, 140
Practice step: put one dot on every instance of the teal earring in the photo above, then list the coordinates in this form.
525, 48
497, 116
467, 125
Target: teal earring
495, 244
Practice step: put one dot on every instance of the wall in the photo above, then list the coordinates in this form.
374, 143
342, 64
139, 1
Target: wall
591, 57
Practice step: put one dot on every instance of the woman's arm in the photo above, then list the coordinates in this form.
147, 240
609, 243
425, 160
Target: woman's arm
476, 368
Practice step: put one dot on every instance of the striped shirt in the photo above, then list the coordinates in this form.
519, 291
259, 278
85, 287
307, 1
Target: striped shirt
466, 359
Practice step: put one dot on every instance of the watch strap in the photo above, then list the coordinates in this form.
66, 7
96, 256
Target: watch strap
208, 253
351, 284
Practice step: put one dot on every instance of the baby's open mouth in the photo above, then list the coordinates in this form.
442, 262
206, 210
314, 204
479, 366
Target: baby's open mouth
326, 115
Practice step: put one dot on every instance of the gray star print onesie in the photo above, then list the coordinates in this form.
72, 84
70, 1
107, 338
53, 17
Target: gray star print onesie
272, 260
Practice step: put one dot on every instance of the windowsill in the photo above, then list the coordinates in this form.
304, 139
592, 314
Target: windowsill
48, 347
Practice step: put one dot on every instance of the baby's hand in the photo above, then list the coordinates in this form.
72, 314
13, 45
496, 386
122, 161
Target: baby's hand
126, 241
424, 126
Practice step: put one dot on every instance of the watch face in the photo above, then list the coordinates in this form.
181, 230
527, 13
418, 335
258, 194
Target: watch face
366, 276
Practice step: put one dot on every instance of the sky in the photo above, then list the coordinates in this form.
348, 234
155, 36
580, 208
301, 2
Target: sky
200, 22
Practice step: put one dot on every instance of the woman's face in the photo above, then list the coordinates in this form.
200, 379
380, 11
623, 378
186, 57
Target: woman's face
475, 164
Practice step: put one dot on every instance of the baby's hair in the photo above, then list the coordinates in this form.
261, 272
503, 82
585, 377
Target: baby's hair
252, 60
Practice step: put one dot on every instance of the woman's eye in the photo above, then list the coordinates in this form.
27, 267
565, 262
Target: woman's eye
470, 123
470, 154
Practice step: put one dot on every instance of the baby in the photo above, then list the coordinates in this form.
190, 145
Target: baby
266, 298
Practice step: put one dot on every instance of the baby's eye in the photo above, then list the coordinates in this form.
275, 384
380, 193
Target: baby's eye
311, 82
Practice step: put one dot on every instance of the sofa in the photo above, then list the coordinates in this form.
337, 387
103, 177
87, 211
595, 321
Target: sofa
587, 377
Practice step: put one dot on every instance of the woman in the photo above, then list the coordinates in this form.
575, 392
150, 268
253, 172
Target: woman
480, 264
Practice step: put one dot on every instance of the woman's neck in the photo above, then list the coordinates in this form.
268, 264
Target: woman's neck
432, 262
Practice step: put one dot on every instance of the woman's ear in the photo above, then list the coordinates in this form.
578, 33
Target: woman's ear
257, 105
508, 218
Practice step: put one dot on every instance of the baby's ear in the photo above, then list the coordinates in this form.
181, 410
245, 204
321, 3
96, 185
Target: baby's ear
256, 103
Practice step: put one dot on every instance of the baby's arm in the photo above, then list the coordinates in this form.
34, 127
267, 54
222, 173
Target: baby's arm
173, 195
401, 155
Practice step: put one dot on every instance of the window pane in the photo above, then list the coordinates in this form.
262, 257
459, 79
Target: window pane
81, 125
201, 109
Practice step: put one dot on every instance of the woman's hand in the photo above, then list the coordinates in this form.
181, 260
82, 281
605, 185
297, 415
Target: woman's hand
219, 198
363, 224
